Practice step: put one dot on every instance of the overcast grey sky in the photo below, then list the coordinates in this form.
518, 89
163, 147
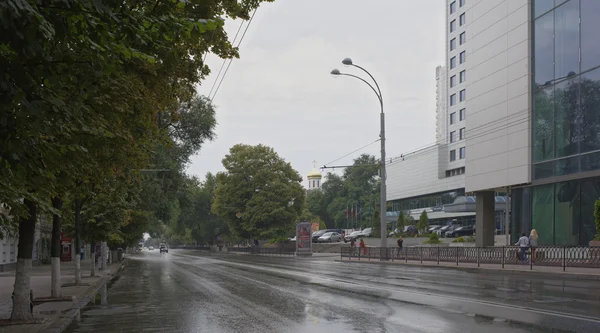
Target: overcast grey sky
280, 93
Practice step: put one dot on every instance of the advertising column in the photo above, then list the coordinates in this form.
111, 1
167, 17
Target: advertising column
304, 239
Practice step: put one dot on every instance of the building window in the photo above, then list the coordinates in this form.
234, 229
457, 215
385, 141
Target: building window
462, 56
462, 114
463, 95
453, 7
461, 133
452, 62
462, 38
452, 118
462, 153
463, 76
452, 25
452, 81
452, 99
452, 44
452, 136
452, 155
461, 3
462, 19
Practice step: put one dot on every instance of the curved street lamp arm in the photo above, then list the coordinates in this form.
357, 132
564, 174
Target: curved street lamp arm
367, 82
376, 84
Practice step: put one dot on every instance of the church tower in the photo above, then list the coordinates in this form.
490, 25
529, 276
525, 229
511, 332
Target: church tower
314, 178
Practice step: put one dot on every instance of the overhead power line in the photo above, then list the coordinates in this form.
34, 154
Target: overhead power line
352, 152
231, 60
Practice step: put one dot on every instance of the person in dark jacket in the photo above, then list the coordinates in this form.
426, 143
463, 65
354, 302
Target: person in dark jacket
399, 242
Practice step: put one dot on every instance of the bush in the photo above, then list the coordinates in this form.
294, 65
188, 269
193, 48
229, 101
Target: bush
459, 240
433, 239
470, 239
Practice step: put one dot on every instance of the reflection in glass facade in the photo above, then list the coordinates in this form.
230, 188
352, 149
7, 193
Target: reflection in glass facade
565, 124
562, 213
566, 101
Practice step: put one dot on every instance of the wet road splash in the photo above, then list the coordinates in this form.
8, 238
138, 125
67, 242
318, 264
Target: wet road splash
189, 293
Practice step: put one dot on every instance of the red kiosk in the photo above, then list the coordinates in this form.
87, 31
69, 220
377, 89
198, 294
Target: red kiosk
66, 244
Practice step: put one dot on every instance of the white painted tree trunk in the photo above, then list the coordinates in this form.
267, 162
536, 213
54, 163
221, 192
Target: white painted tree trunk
21, 305
78, 268
55, 290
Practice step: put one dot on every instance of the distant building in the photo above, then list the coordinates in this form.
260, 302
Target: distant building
314, 178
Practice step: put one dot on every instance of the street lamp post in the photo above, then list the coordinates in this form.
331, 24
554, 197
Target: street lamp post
383, 201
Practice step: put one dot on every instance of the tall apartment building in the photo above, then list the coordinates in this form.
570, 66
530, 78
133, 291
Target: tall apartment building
456, 64
523, 91
534, 114
441, 105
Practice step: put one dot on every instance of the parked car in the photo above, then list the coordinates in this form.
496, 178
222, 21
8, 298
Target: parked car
433, 228
460, 231
319, 233
151, 248
441, 232
367, 232
353, 235
330, 237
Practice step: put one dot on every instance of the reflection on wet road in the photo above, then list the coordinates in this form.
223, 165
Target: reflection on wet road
194, 292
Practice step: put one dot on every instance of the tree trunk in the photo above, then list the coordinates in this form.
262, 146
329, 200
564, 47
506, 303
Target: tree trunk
103, 257
21, 298
55, 249
93, 255
78, 206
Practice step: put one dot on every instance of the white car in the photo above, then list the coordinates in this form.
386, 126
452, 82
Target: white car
353, 235
368, 232
330, 237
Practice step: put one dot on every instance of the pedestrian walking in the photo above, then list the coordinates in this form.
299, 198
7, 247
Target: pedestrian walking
523, 243
363, 247
533, 243
399, 242
352, 244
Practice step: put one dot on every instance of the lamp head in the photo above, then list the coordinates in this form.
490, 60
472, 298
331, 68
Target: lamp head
347, 61
335, 72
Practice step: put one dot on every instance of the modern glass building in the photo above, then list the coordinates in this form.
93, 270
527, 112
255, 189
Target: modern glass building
565, 124
530, 126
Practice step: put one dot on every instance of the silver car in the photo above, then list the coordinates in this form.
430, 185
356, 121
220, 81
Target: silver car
330, 237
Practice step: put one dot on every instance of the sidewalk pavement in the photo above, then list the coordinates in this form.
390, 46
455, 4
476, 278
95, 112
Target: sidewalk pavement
49, 313
578, 273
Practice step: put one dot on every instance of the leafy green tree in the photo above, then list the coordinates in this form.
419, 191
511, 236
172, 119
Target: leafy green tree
401, 222
74, 71
376, 224
263, 188
423, 222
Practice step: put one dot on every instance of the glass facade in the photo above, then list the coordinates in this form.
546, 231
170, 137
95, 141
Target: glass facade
566, 101
562, 213
565, 124
431, 200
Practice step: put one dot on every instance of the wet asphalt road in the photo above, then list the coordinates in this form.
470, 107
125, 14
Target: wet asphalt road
198, 292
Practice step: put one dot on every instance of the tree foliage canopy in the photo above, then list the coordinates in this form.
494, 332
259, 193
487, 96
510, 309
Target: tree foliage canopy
263, 188
358, 187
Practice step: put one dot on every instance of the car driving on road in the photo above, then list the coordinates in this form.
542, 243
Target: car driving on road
163, 248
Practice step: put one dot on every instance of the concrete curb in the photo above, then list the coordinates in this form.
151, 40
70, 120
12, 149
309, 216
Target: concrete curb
66, 319
528, 273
